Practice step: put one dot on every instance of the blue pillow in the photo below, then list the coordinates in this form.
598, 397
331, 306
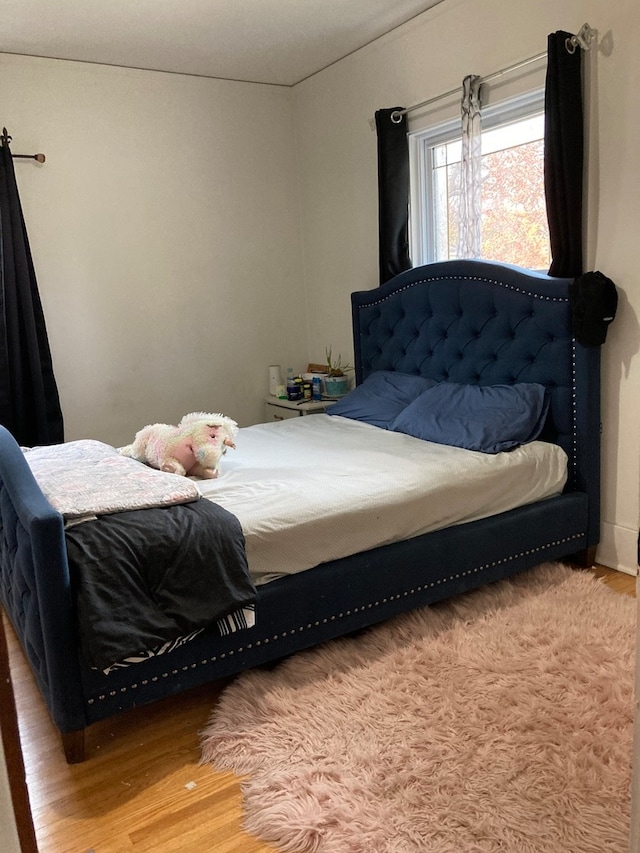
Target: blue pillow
489, 418
381, 397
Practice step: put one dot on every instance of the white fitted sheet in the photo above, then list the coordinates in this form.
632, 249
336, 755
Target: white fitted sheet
311, 489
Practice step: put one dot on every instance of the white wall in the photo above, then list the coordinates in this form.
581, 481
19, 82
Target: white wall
430, 56
164, 229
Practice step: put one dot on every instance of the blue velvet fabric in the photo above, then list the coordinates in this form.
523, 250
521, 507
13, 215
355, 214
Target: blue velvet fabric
35, 587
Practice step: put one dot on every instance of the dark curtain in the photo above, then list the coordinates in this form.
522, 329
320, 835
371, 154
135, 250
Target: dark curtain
29, 402
393, 194
563, 155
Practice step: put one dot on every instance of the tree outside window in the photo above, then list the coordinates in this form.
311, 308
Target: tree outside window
514, 219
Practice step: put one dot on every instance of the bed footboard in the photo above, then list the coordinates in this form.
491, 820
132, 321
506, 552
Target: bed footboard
35, 587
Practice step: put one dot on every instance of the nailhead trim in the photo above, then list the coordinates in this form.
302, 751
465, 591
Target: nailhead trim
482, 279
370, 605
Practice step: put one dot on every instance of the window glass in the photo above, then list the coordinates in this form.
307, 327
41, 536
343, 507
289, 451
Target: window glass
514, 219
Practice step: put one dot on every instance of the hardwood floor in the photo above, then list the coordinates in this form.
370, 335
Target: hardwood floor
619, 581
141, 788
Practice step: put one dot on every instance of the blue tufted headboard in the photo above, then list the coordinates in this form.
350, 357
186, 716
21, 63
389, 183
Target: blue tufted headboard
487, 323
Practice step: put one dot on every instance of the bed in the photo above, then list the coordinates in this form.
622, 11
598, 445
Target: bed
468, 325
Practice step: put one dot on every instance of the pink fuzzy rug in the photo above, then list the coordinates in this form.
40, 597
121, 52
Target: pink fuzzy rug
499, 721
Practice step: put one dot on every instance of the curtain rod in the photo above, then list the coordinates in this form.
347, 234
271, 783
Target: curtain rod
6, 139
582, 39
39, 157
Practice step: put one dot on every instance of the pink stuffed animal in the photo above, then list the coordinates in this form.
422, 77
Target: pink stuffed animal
192, 449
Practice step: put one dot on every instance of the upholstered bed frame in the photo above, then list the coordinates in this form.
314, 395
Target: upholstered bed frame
462, 321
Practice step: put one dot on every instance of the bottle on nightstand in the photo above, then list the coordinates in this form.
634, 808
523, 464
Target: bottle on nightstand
292, 390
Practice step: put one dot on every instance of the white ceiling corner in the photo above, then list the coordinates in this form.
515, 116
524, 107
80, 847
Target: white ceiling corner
264, 41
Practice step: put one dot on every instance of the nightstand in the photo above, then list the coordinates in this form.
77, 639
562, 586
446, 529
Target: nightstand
276, 409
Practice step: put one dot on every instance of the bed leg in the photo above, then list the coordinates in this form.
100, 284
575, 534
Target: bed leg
73, 745
584, 559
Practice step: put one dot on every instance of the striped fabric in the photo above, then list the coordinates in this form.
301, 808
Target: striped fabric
239, 620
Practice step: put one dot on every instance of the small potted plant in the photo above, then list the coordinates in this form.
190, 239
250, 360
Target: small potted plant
336, 382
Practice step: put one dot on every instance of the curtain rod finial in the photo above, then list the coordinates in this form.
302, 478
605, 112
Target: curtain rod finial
582, 39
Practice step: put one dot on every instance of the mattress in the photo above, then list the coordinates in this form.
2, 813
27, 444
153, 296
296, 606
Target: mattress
312, 489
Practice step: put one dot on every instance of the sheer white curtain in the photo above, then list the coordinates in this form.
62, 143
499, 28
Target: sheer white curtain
470, 225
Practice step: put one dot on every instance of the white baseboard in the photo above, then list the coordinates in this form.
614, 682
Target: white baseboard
618, 548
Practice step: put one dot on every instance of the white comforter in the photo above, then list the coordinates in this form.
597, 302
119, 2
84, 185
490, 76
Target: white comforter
312, 489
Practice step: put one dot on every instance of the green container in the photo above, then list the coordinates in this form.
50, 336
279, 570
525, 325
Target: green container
336, 386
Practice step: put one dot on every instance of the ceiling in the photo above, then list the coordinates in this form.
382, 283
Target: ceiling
261, 41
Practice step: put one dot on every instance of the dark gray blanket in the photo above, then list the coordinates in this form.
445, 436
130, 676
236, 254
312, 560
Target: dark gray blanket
144, 577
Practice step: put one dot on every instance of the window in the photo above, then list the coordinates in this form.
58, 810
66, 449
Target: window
514, 218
